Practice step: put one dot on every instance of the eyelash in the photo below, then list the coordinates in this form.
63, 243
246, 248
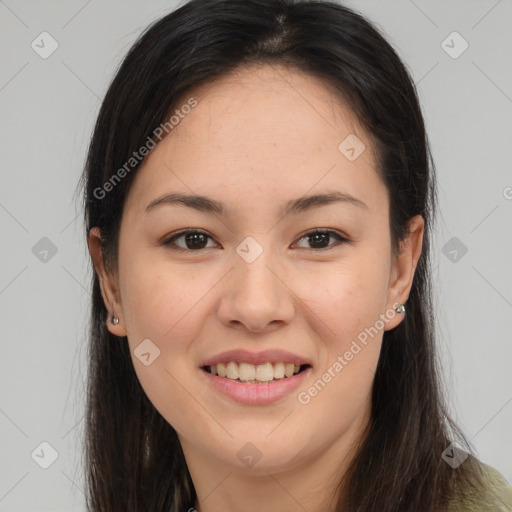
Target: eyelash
169, 242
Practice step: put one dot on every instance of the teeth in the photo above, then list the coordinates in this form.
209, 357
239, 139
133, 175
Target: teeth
247, 372
221, 369
264, 372
278, 370
232, 370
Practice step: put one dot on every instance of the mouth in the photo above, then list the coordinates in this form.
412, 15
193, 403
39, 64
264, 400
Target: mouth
248, 373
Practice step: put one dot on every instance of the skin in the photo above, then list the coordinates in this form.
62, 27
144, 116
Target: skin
256, 139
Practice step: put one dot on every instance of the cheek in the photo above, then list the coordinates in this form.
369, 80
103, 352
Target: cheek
347, 300
346, 309
159, 298
348, 295
162, 303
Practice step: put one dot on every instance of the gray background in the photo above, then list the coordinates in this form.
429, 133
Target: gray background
47, 110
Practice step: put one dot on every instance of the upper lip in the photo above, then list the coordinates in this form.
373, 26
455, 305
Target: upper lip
256, 358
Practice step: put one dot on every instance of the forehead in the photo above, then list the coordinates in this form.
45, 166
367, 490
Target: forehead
264, 103
263, 132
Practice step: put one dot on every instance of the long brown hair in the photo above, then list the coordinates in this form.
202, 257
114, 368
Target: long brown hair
133, 459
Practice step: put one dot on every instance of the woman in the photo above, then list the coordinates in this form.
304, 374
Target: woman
259, 204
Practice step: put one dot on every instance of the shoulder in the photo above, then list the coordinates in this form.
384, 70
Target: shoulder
495, 494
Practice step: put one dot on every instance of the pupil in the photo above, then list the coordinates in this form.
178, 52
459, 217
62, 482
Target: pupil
194, 237
318, 236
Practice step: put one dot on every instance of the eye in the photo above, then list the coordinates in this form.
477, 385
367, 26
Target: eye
195, 240
319, 237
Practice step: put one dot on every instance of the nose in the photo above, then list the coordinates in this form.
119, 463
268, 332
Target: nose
256, 295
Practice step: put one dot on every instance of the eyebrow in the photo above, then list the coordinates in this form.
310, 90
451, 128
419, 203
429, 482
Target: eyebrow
294, 206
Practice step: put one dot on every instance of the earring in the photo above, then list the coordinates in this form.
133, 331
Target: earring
400, 308
115, 320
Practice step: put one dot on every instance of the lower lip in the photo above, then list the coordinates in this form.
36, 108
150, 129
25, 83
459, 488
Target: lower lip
256, 394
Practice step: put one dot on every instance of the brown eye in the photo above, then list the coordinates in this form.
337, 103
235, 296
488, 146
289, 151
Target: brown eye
192, 239
195, 240
319, 239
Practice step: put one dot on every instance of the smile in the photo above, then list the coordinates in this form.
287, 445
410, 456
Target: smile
257, 390
255, 374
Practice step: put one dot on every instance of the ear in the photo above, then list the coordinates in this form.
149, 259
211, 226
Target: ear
108, 284
403, 267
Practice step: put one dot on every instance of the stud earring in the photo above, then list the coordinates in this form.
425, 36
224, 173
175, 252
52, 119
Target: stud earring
115, 320
400, 308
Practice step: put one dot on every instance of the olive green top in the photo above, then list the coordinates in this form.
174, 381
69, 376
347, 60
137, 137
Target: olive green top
495, 497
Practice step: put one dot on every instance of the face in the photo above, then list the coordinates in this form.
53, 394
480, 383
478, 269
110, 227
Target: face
198, 282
